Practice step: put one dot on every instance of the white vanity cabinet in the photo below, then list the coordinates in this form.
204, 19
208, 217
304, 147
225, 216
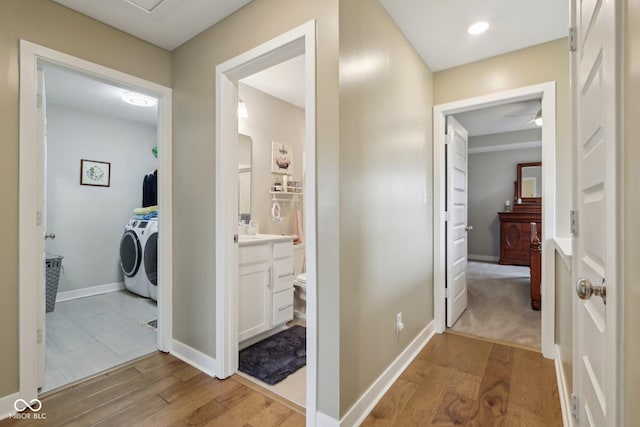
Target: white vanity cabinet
265, 285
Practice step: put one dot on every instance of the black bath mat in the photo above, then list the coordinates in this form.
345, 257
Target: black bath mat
276, 357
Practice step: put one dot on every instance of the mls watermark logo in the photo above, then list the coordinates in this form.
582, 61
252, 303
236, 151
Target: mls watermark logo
34, 406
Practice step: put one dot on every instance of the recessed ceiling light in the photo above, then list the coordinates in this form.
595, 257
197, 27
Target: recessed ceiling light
139, 99
478, 28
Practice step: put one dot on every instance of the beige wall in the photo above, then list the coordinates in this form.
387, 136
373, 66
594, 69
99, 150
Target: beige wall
386, 233
194, 65
51, 25
564, 317
534, 65
631, 234
271, 119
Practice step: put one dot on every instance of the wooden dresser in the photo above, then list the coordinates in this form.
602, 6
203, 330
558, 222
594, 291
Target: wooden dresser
515, 233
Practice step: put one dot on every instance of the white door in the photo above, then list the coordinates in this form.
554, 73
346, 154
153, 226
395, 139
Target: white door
594, 87
457, 220
42, 206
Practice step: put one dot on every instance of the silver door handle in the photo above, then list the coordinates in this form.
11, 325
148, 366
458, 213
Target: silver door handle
50, 236
469, 228
585, 289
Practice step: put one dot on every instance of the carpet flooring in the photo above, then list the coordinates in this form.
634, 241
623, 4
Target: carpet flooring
499, 305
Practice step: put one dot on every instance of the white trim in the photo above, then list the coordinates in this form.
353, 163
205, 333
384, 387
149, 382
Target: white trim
31, 243
324, 420
89, 292
370, 398
195, 358
297, 41
485, 258
563, 391
6, 405
563, 246
548, 93
505, 147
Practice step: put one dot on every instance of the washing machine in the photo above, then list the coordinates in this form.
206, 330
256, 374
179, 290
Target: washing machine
139, 257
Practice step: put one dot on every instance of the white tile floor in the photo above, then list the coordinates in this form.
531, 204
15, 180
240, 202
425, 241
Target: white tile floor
89, 335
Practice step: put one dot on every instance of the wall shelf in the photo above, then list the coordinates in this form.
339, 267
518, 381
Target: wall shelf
286, 193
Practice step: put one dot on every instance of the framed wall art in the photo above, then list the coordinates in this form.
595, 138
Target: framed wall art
95, 173
281, 157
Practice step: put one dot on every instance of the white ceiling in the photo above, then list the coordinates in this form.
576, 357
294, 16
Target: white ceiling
500, 118
284, 81
80, 92
437, 28
168, 24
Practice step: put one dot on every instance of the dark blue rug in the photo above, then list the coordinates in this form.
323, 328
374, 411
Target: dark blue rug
275, 358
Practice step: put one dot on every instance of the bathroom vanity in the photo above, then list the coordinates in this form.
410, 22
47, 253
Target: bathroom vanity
265, 285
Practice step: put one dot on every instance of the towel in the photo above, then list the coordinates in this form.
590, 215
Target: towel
146, 216
145, 211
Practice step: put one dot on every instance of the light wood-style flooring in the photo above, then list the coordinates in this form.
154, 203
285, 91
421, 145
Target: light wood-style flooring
458, 380
455, 380
160, 390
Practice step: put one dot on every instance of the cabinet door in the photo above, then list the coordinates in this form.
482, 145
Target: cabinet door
254, 300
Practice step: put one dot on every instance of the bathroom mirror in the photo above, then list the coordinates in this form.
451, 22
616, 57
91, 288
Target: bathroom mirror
529, 183
244, 174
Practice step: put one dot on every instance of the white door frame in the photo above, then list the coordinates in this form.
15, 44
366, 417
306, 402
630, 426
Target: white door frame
288, 45
547, 91
31, 234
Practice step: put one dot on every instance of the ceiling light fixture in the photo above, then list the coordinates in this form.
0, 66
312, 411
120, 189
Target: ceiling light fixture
139, 99
242, 110
478, 28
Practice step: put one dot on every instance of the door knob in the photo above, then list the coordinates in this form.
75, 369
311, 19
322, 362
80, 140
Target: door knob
585, 289
50, 236
469, 228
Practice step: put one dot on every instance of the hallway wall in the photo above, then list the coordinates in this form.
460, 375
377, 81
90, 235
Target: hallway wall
386, 231
631, 201
49, 24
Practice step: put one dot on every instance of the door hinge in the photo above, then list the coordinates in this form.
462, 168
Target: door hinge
38, 218
572, 39
39, 100
39, 336
447, 216
574, 222
235, 238
574, 406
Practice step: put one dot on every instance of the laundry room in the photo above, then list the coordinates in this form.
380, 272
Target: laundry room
100, 165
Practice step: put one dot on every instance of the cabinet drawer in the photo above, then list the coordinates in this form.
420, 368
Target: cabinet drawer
282, 274
515, 257
282, 307
254, 253
283, 249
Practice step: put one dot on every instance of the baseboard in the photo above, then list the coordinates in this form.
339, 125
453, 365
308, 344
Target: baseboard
6, 405
195, 358
90, 291
563, 391
324, 420
486, 258
359, 411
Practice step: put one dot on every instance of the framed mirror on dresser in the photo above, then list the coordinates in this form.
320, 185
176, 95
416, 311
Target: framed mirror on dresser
515, 226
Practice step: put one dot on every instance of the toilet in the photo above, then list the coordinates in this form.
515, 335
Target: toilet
300, 297
299, 283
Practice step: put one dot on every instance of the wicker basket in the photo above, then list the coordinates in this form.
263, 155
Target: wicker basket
53, 266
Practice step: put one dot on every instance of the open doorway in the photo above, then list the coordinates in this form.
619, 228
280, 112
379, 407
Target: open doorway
262, 277
501, 205
82, 178
545, 95
102, 221
272, 289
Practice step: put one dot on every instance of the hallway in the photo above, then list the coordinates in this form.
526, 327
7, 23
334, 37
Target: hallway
456, 380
